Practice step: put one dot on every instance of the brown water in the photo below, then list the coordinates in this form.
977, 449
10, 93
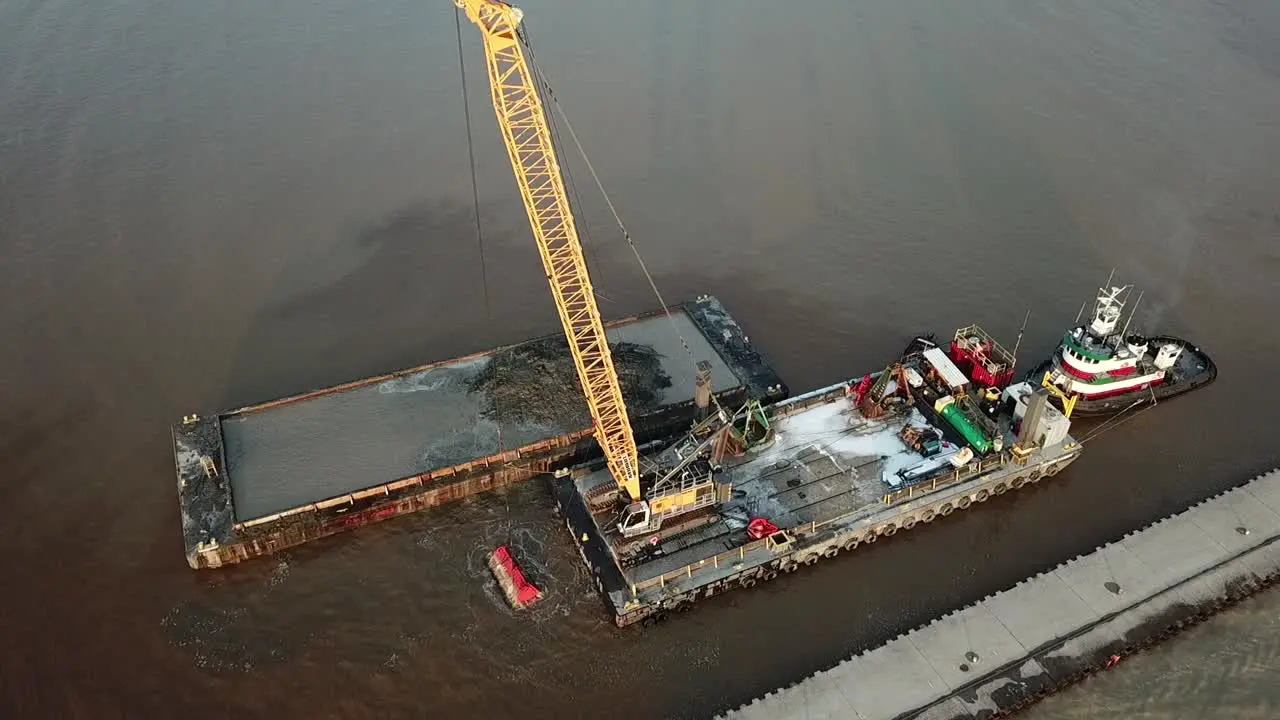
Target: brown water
204, 205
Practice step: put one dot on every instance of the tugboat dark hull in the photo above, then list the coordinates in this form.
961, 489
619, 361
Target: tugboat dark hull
1193, 370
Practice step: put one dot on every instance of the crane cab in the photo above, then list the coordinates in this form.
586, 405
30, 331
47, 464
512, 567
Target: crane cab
692, 488
636, 519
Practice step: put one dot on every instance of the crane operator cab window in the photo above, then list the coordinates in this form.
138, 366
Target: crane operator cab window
635, 518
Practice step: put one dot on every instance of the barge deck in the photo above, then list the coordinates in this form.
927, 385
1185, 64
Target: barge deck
830, 479
262, 478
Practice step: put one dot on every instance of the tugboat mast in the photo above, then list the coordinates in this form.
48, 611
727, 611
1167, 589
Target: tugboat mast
1134, 311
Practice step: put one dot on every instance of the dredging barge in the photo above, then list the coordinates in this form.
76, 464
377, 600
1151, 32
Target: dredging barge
913, 442
753, 492
825, 472
259, 479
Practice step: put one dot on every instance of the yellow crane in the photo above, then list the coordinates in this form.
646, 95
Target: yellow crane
527, 134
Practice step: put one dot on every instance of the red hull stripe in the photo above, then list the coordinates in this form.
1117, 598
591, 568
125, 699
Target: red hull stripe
1073, 372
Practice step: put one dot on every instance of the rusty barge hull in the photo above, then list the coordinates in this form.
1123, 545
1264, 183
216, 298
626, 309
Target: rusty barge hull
263, 478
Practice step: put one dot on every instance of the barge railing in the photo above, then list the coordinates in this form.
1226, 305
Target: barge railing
811, 528
955, 476
791, 406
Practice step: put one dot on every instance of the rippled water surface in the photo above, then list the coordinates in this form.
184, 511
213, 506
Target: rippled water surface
208, 204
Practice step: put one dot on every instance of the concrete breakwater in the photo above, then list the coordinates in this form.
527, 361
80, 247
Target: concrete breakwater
995, 657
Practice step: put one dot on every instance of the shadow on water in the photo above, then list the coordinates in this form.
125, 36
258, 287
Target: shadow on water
401, 292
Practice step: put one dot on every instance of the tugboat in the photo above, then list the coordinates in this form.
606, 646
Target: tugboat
1097, 370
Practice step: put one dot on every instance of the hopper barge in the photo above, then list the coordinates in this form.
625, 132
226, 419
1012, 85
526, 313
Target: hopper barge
267, 477
826, 472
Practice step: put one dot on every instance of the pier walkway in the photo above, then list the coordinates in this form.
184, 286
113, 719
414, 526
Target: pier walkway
1048, 631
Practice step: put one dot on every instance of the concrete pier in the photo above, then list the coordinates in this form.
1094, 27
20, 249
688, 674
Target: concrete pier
1050, 630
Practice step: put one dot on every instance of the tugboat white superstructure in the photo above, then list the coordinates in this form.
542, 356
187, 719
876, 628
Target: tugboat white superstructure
1102, 368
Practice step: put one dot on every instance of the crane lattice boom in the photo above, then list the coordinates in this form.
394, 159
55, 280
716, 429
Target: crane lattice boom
528, 139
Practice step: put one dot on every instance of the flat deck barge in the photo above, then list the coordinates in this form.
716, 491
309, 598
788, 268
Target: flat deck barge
830, 478
263, 478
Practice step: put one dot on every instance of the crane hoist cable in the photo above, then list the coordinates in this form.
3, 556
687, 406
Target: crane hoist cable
588, 244
545, 84
484, 270
475, 204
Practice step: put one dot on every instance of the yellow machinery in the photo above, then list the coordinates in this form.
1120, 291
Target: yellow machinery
1068, 401
527, 134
